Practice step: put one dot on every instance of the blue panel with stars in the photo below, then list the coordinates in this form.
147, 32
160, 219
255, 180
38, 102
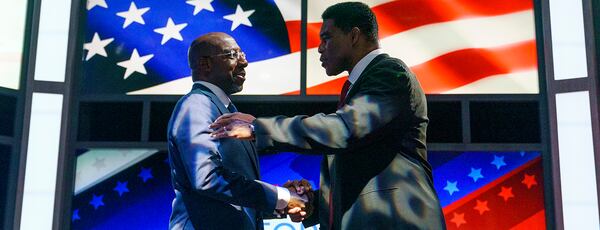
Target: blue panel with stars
140, 196
133, 45
466, 172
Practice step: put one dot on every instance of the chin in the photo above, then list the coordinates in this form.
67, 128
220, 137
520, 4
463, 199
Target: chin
332, 72
236, 89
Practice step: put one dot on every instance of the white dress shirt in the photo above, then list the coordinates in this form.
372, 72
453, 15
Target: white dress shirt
361, 65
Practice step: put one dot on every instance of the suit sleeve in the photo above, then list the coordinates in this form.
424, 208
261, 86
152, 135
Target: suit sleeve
202, 161
378, 100
313, 219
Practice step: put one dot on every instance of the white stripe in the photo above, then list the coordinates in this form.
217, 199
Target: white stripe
273, 76
176, 87
89, 172
424, 43
516, 82
268, 77
291, 9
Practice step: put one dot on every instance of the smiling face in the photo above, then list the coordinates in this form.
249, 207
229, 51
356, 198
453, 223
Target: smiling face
335, 48
227, 70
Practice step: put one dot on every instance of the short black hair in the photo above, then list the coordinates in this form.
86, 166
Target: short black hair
347, 15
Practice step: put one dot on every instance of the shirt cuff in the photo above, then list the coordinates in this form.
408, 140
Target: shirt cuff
283, 197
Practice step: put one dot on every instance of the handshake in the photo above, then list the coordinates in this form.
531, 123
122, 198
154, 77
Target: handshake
300, 203
239, 125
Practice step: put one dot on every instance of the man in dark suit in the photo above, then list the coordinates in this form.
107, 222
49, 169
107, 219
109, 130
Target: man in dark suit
216, 181
375, 174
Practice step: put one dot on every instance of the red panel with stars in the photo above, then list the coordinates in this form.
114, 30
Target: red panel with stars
515, 201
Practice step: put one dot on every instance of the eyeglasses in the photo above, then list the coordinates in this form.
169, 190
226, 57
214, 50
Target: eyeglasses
233, 54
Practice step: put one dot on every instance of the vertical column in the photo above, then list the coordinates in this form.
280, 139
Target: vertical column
571, 82
14, 20
44, 117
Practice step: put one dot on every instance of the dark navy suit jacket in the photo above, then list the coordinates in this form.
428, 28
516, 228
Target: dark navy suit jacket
376, 154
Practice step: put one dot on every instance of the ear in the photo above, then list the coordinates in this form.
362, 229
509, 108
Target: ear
354, 35
204, 64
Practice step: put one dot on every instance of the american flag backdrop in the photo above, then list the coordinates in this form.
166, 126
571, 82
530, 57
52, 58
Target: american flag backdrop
453, 46
140, 46
131, 189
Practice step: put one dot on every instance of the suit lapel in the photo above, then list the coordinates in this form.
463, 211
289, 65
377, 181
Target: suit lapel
199, 88
362, 76
250, 150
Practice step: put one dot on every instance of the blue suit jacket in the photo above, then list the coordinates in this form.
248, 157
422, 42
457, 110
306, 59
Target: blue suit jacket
215, 181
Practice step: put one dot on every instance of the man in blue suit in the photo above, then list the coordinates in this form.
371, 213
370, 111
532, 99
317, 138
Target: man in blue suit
216, 181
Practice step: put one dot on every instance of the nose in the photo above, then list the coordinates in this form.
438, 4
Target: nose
321, 48
242, 62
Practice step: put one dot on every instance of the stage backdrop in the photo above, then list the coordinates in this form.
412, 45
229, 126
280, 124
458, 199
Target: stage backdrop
131, 189
454, 47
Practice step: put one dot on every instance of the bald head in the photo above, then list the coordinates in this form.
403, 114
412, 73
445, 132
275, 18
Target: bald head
206, 45
218, 59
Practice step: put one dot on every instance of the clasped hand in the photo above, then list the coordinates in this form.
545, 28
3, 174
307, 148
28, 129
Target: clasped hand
300, 204
238, 125
233, 125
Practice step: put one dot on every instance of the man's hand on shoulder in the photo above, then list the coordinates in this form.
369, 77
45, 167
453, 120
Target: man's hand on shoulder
233, 125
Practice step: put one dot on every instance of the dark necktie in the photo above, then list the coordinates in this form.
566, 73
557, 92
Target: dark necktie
345, 89
232, 108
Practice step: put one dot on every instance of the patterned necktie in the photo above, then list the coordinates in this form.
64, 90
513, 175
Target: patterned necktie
345, 89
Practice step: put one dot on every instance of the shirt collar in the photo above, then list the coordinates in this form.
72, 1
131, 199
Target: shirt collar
362, 64
217, 91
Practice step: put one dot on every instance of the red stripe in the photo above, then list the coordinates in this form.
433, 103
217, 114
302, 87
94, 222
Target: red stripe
462, 67
398, 16
293, 28
535, 222
458, 68
332, 87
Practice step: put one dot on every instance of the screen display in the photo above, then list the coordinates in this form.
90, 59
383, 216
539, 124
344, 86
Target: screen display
453, 47
121, 188
141, 47
12, 21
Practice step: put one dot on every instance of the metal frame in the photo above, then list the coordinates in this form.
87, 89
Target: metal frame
551, 88
544, 49
23, 115
591, 23
66, 161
